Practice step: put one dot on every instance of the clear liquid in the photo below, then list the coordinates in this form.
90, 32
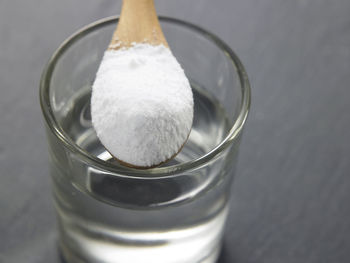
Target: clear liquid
210, 126
96, 231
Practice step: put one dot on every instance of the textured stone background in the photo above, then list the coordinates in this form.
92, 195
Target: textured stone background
291, 195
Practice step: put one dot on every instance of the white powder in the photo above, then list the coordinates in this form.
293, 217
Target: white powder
141, 104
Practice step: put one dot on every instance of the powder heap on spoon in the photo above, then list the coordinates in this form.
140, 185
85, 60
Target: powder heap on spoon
142, 102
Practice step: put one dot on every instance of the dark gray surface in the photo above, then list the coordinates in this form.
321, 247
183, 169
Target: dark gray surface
291, 196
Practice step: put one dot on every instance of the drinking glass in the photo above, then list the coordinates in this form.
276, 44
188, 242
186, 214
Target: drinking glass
175, 213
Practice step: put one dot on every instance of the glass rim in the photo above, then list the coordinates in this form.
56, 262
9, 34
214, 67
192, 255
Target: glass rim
158, 172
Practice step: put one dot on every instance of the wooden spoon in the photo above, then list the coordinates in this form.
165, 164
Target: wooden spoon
138, 23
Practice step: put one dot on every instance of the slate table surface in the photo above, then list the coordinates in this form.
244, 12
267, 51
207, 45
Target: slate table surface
291, 195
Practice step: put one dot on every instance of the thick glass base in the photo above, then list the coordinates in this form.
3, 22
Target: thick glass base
89, 243
70, 256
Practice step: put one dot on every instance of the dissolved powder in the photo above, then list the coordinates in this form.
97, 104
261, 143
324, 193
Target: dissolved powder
141, 104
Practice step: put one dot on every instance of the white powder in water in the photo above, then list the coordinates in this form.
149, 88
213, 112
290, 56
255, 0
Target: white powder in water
141, 104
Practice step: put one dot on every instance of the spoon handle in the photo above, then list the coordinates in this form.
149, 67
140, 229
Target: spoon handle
138, 23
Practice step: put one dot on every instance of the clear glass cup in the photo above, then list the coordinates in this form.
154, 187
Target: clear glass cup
175, 213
